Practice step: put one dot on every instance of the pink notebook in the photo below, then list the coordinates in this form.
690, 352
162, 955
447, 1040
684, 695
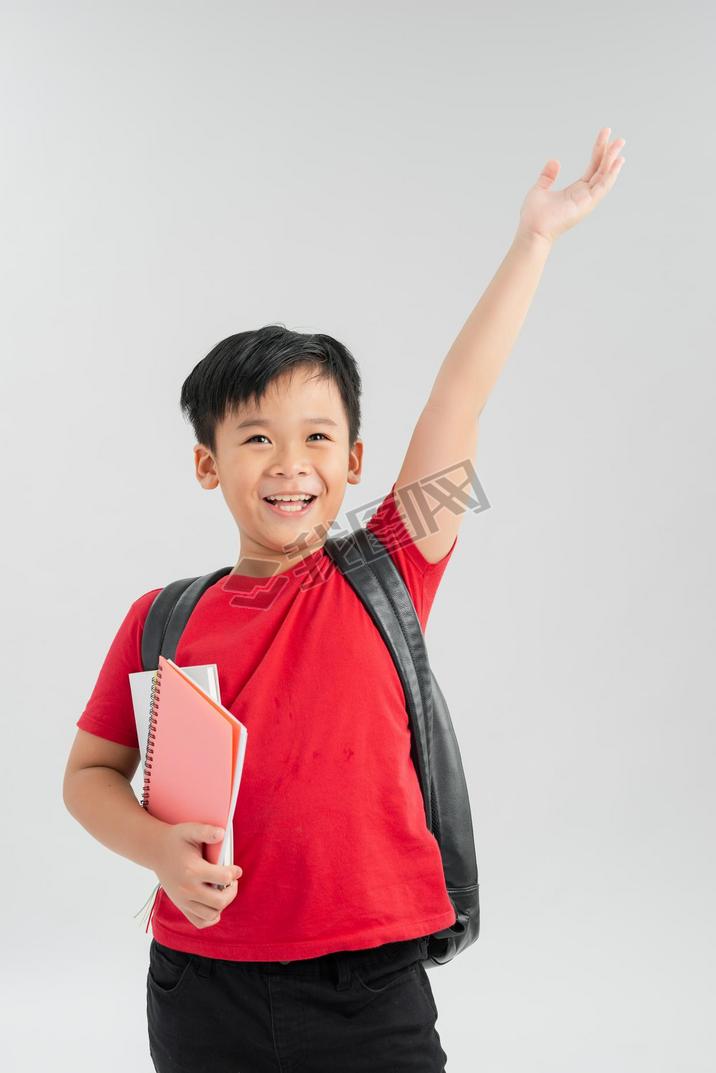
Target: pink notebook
195, 756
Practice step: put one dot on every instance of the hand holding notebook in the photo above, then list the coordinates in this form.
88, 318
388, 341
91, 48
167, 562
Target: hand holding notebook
193, 752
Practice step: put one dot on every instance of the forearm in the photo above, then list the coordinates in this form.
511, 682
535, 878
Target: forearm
103, 801
474, 361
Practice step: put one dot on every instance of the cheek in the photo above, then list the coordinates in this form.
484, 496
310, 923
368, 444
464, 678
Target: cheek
238, 497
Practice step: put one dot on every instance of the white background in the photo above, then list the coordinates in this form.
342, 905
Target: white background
173, 173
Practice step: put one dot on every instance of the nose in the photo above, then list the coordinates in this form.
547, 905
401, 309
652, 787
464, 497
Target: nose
289, 472
288, 467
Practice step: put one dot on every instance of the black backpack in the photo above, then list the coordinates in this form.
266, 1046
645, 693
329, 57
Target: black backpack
365, 563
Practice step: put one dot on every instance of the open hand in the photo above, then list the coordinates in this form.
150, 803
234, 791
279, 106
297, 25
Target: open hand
548, 213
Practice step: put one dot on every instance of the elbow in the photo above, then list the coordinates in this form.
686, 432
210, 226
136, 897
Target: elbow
66, 792
68, 787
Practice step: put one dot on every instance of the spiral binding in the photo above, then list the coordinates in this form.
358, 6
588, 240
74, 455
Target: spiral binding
151, 733
149, 753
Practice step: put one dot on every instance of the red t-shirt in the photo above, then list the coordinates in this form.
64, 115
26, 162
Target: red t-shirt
329, 826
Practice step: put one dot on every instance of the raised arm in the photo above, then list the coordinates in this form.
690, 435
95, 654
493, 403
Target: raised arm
434, 482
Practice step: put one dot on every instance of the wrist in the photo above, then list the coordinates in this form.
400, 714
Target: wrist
533, 242
155, 832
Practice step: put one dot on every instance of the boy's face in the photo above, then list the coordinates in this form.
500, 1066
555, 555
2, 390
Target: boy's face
284, 452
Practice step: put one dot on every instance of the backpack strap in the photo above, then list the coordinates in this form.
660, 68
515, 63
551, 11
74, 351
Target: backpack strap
379, 584
437, 759
169, 613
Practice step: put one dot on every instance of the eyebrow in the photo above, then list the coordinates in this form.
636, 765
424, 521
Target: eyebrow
255, 420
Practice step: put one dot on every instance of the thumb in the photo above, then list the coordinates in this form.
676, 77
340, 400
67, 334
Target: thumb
548, 174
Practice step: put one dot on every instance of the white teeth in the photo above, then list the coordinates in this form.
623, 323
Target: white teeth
290, 504
290, 499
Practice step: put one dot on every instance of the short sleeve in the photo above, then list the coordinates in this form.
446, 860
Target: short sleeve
109, 712
421, 577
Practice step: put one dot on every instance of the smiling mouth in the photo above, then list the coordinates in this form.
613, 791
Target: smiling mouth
288, 509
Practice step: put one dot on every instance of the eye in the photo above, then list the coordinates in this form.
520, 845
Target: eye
260, 435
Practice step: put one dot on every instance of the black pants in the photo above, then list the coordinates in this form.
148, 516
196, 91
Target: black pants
355, 1011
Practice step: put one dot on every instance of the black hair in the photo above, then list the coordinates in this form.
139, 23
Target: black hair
241, 367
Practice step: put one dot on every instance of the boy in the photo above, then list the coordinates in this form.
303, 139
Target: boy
310, 957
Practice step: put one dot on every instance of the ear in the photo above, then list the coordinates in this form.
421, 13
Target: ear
355, 462
205, 467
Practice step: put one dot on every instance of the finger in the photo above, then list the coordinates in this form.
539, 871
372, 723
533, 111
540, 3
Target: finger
213, 898
606, 176
199, 923
205, 912
221, 874
608, 159
604, 183
598, 148
612, 153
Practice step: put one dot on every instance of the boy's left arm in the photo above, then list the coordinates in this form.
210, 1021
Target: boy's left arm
443, 446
